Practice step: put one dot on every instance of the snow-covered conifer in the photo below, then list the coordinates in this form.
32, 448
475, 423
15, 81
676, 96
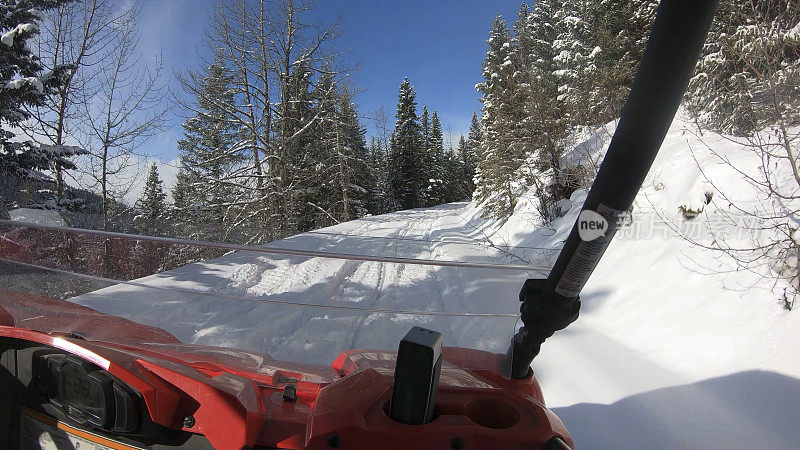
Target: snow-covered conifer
436, 168
209, 158
619, 32
24, 86
377, 200
351, 169
406, 145
151, 206
748, 78
495, 178
465, 183
575, 57
472, 152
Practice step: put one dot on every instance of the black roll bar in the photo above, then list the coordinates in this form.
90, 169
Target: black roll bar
675, 42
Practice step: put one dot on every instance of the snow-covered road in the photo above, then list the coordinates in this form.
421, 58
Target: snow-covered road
609, 393
234, 310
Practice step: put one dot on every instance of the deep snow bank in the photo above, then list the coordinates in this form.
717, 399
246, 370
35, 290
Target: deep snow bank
684, 306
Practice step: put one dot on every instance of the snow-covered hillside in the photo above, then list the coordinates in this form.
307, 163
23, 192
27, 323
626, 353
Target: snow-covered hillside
676, 346
672, 349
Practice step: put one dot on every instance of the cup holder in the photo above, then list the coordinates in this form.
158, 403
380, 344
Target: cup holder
491, 413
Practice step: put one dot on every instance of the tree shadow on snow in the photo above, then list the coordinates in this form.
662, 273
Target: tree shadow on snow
590, 300
746, 410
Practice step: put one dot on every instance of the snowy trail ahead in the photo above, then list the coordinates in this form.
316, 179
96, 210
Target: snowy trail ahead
318, 333
608, 393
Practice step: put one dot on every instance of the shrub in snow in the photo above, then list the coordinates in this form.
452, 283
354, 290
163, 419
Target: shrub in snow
695, 206
748, 85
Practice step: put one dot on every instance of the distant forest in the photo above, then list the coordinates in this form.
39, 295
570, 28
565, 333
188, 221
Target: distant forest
274, 145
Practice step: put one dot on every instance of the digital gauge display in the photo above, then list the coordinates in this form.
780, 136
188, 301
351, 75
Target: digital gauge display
86, 394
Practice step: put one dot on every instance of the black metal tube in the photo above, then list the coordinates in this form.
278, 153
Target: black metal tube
675, 42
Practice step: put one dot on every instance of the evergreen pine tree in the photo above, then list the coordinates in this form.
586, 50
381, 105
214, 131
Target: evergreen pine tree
209, 158
575, 58
425, 127
352, 155
597, 48
22, 86
335, 183
464, 178
316, 186
183, 222
437, 164
748, 77
377, 202
499, 159
471, 153
523, 41
185, 206
424, 160
569, 63
453, 189
619, 32
541, 75
304, 144
522, 137
406, 146
545, 120
151, 205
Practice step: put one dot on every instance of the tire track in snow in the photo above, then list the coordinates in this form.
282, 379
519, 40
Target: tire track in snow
427, 292
348, 283
320, 337
380, 284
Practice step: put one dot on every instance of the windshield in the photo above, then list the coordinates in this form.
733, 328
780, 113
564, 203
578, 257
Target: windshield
306, 298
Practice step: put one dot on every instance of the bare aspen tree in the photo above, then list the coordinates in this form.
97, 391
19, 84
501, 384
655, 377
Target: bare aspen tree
277, 57
121, 114
382, 127
79, 35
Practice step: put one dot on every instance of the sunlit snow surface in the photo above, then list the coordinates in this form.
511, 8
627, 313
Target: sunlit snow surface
664, 355
234, 312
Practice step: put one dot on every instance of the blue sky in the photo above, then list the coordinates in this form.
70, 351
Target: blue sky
439, 45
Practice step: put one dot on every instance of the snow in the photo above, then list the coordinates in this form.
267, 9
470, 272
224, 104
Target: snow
794, 33
673, 349
15, 84
38, 14
20, 82
561, 72
8, 37
283, 331
37, 216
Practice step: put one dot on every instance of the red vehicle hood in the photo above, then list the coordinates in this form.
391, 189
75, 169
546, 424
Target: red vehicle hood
236, 396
